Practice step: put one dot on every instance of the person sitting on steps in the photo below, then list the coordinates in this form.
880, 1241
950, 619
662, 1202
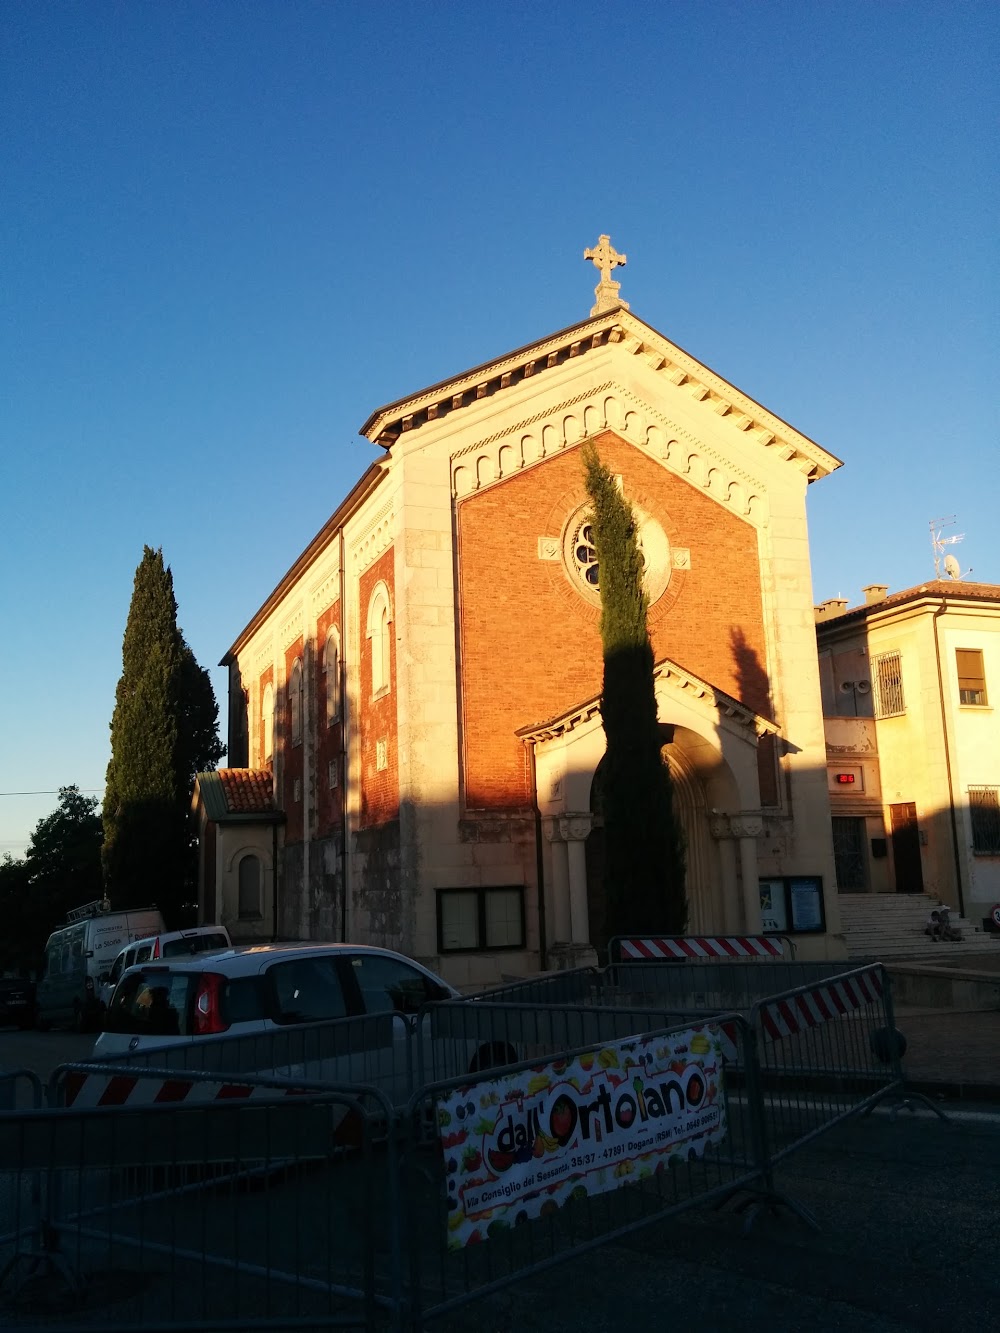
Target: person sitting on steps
939, 926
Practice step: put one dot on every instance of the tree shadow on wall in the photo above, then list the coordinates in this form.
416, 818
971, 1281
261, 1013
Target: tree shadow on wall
753, 682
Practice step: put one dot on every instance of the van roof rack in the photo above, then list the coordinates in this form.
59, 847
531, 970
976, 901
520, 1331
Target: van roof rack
95, 908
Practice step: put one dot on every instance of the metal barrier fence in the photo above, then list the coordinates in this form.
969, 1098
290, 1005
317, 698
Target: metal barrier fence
231, 1212
694, 987
607, 1187
20, 1088
206, 1192
371, 1050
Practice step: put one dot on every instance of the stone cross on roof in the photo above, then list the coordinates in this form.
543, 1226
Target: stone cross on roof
605, 257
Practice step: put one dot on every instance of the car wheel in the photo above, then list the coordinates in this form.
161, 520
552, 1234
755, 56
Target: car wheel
492, 1057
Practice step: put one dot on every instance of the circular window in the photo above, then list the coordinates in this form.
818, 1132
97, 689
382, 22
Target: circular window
580, 554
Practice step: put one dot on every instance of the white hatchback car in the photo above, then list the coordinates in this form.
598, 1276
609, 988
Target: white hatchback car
252, 991
168, 944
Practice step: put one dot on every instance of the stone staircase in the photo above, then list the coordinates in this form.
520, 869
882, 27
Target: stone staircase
891, 926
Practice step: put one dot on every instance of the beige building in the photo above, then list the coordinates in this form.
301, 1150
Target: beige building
910, 685
419, 692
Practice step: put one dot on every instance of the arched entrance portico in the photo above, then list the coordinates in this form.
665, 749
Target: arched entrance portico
711, 751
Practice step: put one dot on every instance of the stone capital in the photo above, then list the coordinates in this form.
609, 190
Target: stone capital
575, 827
747, 824
720, 826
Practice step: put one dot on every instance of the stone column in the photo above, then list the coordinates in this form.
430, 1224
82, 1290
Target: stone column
559, 909
748, 827
721, 830
574, 829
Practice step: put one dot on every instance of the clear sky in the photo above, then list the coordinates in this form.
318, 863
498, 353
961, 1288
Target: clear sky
228, 231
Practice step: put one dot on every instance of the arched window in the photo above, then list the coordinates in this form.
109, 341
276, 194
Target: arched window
267, 721
379, 622
249, 905
295, 700
331, 670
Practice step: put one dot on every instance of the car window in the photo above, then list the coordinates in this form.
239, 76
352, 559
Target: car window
388, 985
194, 944
306, 990
153, 1003
241, 1000
143, 954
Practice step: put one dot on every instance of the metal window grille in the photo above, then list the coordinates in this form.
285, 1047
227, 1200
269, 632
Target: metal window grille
849, 853
984, 807
887, 682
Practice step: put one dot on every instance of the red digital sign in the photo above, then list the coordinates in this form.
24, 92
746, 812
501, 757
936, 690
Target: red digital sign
845, 778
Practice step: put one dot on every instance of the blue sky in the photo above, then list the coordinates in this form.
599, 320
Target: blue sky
231, 230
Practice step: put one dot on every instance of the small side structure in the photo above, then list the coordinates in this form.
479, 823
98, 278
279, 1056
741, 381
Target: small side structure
237, 827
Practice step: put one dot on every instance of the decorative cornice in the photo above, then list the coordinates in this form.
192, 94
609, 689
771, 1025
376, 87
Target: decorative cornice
376, 538
608, 406
326, 592
291, 628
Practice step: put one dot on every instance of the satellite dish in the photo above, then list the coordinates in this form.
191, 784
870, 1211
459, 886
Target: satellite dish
951, 567
864, 686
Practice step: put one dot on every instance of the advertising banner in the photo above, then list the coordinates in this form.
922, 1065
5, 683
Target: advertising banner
522, 1146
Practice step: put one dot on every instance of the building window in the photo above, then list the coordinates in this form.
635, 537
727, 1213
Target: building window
984, 807
333, 774
381, 755
267, 721
295, 701
475, 920
249, 905
849, 854
379, 621
887, 683
331, 672
971, 679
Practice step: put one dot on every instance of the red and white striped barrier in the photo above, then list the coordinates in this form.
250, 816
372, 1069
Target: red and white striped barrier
703, 946
101, 1089
809, 1009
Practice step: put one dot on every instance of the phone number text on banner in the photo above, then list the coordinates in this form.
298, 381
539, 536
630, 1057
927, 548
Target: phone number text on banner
523, 1146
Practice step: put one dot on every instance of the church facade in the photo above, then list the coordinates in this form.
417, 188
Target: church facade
420, 692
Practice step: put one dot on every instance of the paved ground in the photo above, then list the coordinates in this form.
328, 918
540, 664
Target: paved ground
907, 1206
908, 1212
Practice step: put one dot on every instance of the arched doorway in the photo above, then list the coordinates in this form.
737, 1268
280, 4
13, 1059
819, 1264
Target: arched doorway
703, 785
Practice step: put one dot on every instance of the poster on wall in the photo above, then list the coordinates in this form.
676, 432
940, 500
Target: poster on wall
792, 905
525, 1145
806, 897
773, 912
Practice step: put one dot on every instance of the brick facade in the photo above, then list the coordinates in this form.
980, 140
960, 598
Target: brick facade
530, 643
378, 722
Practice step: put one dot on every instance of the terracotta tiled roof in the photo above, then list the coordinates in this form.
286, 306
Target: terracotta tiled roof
248, 791
955, 590
237, 796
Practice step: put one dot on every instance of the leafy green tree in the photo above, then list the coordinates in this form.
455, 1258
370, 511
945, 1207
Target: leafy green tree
61, 869
644, 848
164, 730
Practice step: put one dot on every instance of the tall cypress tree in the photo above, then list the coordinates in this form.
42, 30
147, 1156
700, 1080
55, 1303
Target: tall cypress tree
164, 729
644, 849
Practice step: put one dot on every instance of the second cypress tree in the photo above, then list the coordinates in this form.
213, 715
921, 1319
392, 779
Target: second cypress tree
644, 848
163, 730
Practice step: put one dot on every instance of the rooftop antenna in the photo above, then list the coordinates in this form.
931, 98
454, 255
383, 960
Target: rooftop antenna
946, 562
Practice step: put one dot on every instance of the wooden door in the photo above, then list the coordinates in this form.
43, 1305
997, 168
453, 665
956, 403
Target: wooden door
906, 848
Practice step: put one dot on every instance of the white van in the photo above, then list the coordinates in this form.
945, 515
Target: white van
169, 944
78, 953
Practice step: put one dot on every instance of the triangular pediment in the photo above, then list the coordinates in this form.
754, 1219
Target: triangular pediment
620, 329
668, 676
